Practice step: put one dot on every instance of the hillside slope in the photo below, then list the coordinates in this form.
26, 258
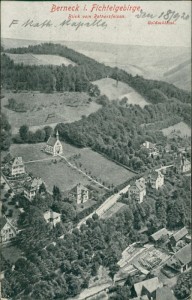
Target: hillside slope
147, 61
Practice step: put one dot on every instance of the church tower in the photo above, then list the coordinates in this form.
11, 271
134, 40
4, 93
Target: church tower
57, 135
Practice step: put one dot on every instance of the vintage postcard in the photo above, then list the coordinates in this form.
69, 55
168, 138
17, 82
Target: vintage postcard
95, 150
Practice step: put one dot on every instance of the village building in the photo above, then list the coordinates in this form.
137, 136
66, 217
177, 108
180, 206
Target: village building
82, 194
165, 293
181, 260
176, 237
151, 148
156, 179
8, 229
148, 145
158, 235
31, 187
138, 189
188, 238
147, 287
15, 167
52, 217
54, 145
185, 165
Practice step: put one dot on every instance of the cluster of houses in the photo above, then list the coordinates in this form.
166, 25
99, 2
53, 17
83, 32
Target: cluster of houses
151, 148
182, 164
179, 262
14, 170
154, 179
179, 244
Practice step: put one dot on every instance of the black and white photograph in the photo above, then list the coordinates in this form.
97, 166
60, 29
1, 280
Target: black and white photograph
95, 150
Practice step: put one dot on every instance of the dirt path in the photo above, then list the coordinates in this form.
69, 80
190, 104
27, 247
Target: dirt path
79, 170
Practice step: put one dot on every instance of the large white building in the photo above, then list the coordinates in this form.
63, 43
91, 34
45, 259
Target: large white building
54, 145
8, 229
31, 187
82, 194
185, 165
156, 179
17, 166
138, 189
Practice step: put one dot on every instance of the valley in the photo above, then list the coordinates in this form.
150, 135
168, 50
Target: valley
96, 170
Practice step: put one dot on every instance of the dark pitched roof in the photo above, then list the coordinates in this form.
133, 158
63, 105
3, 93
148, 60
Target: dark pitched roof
158, 234
155, 174
180, 234
3, 221
11, 222
17, 161
51, 141
139, 184
164, 293
32, 184
150, 284
184, 254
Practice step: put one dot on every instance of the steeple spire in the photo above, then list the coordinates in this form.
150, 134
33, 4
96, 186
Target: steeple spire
57, 135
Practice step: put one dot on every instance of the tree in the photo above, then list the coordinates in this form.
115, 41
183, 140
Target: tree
42, 188
183, 286
113, 269
74, 286
56, 193
5, 133
120, 293
39, 136
23, 131
95, 217
48, 132
11, 103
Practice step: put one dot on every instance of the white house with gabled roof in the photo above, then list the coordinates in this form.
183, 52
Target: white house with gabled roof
17, 166
138, 189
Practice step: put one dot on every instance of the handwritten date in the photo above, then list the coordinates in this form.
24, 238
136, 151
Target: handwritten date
169, 15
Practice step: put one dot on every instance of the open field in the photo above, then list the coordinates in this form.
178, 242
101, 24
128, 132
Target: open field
47, 109
28, 151
61, 174
102, 168
113, 91
39, 59
180, 129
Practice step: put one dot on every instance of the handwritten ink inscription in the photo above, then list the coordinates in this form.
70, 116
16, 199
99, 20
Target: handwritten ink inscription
169, 15
48, 23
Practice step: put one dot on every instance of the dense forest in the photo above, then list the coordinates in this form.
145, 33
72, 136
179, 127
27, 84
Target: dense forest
117, 132
61, 269
5, 133
79, 77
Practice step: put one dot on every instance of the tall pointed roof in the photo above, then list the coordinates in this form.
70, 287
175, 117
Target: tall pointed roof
53, 139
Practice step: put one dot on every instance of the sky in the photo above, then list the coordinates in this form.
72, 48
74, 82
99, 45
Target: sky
129, 30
